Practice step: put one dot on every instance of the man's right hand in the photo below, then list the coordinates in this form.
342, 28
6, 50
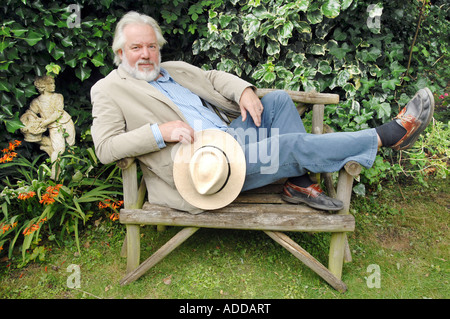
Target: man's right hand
177, 131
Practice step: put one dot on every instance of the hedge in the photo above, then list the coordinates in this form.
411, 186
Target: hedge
355, 48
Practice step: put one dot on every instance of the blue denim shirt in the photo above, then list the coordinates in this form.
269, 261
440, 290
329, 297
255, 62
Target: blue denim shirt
198, 116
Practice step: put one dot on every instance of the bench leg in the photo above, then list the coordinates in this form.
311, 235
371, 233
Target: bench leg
339, 253
336, 257
133, 242
123, 251
166, 249
347, 252
307, 259
339, 250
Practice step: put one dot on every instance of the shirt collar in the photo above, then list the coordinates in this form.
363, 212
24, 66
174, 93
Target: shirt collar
165, 76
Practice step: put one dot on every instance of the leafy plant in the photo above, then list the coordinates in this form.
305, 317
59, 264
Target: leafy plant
36, 206
357, 49
430, 155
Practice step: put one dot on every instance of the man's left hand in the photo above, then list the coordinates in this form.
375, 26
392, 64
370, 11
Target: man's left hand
250, 102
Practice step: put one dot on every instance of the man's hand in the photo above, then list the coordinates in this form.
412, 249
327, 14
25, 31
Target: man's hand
177, 131
250, 102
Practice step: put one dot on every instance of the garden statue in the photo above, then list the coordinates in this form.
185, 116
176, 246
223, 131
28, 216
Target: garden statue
46, 112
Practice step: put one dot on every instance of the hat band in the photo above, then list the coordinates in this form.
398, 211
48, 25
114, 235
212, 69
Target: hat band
228, 163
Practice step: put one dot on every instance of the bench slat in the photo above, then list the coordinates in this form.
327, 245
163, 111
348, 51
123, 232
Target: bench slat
306, 97
285, 217
259, 198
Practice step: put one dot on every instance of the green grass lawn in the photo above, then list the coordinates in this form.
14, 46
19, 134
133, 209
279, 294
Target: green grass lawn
403, 232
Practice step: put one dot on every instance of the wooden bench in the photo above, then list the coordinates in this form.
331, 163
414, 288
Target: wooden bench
260, 209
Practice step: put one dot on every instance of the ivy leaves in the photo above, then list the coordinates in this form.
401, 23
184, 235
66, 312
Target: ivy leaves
324, 45
268, 30
53, 39
36, 39
331, 8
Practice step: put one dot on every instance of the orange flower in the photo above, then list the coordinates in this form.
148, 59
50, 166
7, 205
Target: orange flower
103, 205
12, 146
109, 203
47, 199
8, 157
50, 193
5, 228
117, 204
114, 205
31, 229
9, 154
53, 190
24, 196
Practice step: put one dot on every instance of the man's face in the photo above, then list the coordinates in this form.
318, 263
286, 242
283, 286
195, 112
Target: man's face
140, 55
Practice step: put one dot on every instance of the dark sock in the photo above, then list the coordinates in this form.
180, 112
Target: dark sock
301, 181
390, 133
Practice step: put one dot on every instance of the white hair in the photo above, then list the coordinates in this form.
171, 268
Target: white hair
133, 18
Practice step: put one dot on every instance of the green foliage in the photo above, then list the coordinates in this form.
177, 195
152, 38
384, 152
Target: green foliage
70, 40
431, 51
34, 207
325, 45
36, 39
357, 49
430, 154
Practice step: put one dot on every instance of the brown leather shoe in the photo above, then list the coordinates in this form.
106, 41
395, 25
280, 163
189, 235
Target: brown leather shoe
312, 196
415, 117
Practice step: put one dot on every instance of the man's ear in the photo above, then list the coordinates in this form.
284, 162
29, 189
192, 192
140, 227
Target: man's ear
120, 53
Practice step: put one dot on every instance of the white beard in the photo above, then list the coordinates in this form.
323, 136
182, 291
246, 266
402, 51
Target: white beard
142, 75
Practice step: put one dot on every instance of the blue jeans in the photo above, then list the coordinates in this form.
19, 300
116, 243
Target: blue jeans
281, 148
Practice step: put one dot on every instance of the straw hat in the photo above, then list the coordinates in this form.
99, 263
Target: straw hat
209, 173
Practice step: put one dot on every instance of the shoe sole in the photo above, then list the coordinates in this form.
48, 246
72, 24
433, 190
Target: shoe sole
424, 124
313, 205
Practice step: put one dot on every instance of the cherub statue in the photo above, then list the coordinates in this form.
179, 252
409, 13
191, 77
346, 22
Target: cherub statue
46, 112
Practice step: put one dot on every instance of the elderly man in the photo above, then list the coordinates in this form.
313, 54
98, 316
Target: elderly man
144, 107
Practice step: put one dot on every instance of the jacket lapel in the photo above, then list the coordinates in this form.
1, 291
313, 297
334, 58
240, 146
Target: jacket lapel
148, 89
194, 84
194, 79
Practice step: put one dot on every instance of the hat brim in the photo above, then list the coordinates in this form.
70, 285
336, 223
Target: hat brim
236, 160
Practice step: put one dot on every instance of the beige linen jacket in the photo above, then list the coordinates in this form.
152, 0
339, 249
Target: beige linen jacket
124, 108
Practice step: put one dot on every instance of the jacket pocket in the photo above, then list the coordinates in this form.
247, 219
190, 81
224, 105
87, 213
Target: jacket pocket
164, 172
